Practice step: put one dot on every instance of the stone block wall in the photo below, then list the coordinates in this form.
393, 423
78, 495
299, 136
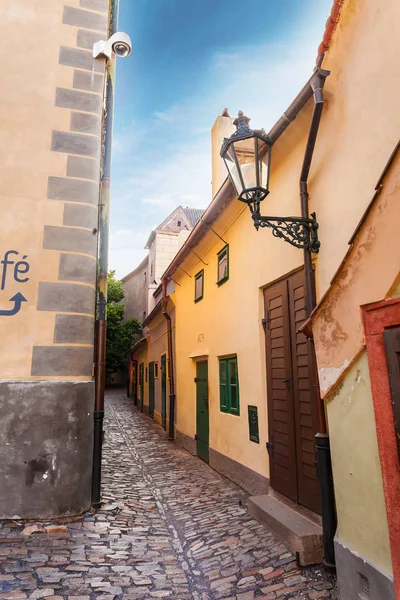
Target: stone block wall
51, 119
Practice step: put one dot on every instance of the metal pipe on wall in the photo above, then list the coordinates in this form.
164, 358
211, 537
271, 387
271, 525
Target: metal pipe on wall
324, 467
102, 261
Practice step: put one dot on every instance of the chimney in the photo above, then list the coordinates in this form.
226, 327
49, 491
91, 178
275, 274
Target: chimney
222, 128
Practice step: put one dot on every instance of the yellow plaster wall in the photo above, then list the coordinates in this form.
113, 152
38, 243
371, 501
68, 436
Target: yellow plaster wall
362, 521
360, 124
28, 115
228, 321
369, 274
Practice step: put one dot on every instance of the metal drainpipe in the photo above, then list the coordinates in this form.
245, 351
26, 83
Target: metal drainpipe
323, 454
102, 262
171, 432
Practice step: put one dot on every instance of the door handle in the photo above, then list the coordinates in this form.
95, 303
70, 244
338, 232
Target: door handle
287, 381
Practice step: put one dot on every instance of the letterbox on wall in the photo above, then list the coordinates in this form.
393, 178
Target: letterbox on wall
253, 424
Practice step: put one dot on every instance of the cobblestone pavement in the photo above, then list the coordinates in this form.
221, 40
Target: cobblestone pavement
170, 527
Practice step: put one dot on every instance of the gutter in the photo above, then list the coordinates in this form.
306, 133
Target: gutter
102, 262
322, 443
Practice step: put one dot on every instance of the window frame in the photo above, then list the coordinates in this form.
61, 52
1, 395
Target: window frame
196, 277
224, 250
225, 399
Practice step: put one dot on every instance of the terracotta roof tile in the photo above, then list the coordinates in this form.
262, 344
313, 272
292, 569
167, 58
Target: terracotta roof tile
329, 29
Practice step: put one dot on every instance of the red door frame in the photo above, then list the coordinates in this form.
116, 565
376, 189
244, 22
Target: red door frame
376, 318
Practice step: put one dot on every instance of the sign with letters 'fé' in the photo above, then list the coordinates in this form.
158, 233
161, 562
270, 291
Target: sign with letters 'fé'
13, 267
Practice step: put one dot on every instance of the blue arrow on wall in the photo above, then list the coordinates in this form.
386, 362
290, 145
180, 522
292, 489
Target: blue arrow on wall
18, 299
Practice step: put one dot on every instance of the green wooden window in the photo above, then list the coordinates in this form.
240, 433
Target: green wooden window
229, 385
253, 424
199, 286
223, 265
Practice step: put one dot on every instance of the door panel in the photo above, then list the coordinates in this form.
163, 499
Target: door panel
280, 396
151, 389
291, 394
304, 393
202, 413
164, 391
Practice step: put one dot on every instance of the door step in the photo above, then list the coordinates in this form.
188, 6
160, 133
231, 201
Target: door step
302, 536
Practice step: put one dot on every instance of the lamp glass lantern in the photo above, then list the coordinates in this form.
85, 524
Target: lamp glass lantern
247, 156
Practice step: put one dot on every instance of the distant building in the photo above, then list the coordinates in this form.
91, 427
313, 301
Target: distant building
163, 243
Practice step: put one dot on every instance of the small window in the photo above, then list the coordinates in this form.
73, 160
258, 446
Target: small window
156, 370
144, 278
229, 385
198, 286
179, 223
223, 265
151, 270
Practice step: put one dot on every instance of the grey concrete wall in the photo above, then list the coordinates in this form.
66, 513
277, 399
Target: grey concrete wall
358, 578
135, 301
46, 448
246, 478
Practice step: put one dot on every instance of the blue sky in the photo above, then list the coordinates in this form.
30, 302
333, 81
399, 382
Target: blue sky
190, 60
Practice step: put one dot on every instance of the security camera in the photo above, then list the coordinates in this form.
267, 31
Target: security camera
119, 44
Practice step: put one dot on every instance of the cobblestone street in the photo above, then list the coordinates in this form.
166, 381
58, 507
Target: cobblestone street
169, 527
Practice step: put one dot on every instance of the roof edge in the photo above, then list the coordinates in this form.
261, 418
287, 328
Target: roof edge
330, 27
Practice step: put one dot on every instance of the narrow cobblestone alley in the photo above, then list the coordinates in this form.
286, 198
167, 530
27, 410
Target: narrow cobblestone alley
169, 527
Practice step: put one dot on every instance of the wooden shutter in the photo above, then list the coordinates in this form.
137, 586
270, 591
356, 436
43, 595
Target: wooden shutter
304, 396
233, 386
223, 396
280, 391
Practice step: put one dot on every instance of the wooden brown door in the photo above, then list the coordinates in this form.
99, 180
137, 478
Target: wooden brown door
291, 394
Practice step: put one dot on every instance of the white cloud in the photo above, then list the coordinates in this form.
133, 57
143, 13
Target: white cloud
162, 116
127, 249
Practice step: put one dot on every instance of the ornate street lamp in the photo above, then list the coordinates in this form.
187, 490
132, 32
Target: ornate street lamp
247, 156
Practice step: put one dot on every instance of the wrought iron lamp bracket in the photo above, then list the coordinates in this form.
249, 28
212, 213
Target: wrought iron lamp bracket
300, 232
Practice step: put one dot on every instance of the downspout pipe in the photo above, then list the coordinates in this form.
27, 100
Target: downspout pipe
323, 455
171, 431
102, 262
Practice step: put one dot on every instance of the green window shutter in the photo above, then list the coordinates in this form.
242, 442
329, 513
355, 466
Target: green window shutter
233, 386
223, 265
223, 387
199, 286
